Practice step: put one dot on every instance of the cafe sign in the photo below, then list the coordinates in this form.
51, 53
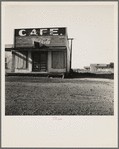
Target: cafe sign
40, 32
43, 40
44, 36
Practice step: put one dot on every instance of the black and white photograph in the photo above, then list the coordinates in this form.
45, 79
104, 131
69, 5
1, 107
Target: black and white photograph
60, 60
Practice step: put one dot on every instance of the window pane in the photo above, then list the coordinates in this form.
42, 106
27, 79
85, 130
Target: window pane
21, 60
58, 60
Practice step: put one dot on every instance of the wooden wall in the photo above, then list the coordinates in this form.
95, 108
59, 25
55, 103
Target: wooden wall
58, 60
8, 61
28, 41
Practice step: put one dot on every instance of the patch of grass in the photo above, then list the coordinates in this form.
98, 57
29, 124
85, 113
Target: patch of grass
45, 96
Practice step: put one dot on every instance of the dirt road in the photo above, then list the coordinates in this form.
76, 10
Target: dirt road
56, 96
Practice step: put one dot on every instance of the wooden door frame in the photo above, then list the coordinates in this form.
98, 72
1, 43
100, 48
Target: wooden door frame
32, 55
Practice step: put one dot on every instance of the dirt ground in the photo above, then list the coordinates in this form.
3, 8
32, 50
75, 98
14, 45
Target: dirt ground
56, 96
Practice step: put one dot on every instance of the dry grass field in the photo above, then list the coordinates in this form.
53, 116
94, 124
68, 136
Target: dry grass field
56, 96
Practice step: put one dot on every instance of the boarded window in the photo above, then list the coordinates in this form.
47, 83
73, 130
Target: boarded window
58, 60
21, 60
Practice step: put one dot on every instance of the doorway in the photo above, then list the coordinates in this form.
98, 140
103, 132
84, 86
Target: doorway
39, 61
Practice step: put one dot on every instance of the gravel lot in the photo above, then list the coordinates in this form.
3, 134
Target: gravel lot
56, 96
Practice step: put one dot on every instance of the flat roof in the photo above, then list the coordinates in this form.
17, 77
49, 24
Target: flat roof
40, 28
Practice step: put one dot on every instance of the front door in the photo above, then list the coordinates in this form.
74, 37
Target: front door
39, 61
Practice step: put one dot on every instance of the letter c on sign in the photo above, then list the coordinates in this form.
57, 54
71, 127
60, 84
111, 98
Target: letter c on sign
21, 32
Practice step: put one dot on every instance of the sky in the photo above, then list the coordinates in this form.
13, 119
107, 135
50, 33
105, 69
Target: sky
91, 25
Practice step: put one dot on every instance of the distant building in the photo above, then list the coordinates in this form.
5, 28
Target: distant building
101, 67
43, 50
87, 68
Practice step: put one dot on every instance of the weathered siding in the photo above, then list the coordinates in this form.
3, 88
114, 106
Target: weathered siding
28, 41
8, 61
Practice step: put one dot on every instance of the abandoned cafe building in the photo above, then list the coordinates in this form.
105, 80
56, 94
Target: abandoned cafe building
39, 50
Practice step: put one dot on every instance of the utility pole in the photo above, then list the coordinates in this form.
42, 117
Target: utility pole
70, 52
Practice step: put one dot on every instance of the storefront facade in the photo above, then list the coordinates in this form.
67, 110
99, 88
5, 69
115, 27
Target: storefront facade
43, 50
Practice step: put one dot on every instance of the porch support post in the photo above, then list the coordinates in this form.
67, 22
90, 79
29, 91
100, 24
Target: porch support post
29, 61
13, 62
49, 61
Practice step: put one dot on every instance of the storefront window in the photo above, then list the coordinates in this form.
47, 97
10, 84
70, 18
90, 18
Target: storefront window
21, 60
58, 60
